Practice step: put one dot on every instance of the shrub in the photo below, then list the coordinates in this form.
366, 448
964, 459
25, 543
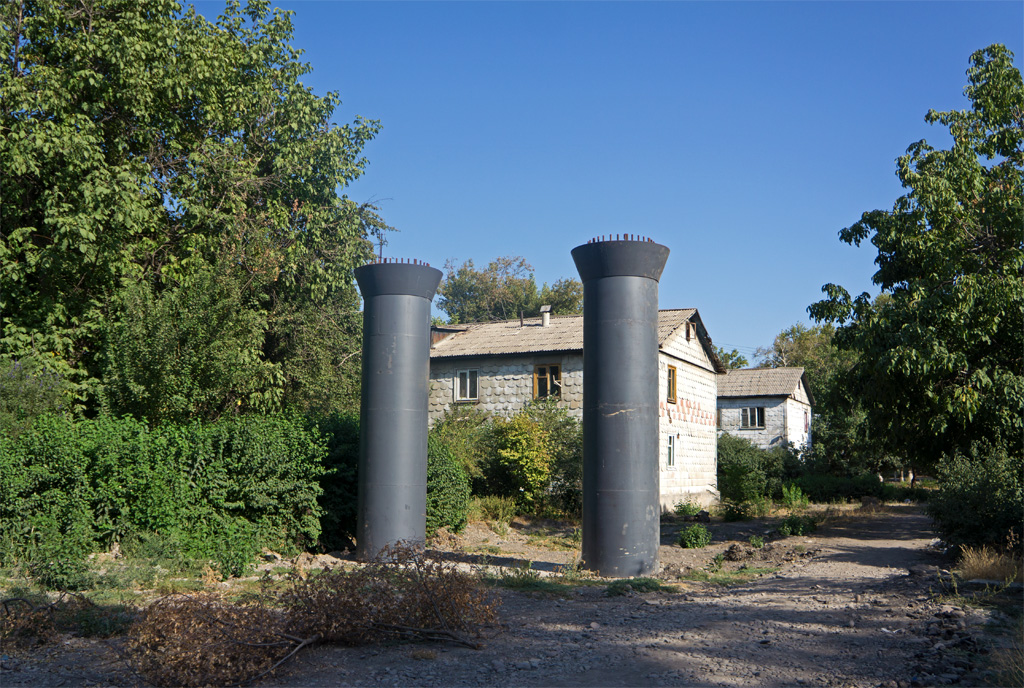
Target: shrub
793, 497
824, 488
756, 541
492, 508
221, 491
694, 537
519, 460
980, 498
464, 430
565, 443
746, 472
797, 525
339, 499
28, 390
687, 508
737, 511
447, 489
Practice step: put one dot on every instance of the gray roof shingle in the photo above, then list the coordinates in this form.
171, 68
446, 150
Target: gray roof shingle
564, 333
760, 382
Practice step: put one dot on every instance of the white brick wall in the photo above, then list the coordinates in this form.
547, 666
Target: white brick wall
691, 420
783, 420
506, 384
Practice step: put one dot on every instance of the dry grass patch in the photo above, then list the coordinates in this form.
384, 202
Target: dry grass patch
988, 563
1009, 662
205, 639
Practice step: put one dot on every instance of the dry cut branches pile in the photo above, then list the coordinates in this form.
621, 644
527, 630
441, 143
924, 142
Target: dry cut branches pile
198, 640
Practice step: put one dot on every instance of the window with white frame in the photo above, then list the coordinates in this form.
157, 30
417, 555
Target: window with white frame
670, 459
466, 385
752, 417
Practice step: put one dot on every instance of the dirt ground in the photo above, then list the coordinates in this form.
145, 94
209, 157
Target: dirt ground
859, 602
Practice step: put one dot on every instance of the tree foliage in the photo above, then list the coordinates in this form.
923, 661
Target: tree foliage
503, 291
144, 145
731, 359
940, 359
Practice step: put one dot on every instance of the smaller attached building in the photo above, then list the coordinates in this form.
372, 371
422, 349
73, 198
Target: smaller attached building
768, 406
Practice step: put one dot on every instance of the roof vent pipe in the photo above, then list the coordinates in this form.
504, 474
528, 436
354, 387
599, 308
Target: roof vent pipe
545, 316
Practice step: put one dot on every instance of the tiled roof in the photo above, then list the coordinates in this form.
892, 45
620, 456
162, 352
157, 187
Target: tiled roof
760, 382
564, 333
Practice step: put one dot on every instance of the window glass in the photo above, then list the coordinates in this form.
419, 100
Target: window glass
547, 381
752, 417
671, 396
466, 386
671, 451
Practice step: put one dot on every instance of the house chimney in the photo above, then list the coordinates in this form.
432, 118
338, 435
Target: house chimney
545, 316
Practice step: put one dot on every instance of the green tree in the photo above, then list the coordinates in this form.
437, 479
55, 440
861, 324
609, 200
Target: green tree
939, 362
811, 348
144, 145
731, 359
503, 291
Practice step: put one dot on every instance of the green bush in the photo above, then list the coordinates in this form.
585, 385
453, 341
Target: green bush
518, 463
980, 500
746, 473
687, 508
825, 488
492, 508
28, 390
794, 498
565, 442
694, 537
447, 489
339, 499
797, 525
464, 430
220, 490
737, 511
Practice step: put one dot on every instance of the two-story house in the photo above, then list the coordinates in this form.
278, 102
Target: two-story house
500, 366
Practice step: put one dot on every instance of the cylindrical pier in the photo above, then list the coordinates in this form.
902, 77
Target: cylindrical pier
621, 502
393, 418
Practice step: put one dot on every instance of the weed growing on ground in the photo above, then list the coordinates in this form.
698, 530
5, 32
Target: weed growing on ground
756, 541
624, 586
28, 618
1008, 662
727, 578
797, 525
793, 498
687, 508
694, 537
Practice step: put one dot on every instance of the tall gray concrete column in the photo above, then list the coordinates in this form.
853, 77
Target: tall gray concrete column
393, 410
621, 501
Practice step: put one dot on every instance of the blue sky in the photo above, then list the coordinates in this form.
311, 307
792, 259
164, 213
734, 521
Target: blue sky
742, 135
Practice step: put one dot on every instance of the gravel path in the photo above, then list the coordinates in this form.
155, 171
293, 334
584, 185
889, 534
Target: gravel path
858, 611
857, 606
